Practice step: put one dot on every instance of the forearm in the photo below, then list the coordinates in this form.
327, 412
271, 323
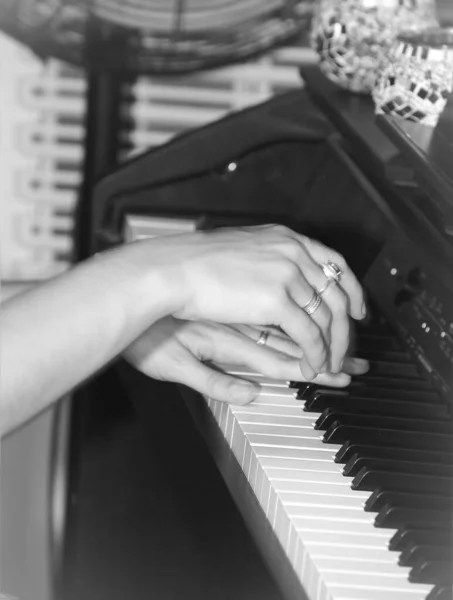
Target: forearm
59, 333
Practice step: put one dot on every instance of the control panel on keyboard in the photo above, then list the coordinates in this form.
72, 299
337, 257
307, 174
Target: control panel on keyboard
418, 303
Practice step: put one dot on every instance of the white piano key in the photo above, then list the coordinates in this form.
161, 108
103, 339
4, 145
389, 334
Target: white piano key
291, 421
344, 566
293, 453
356, 593
330, 501
266, 391
299, 464
320, 521
297, 432
269, 411
370, 581
265, 381
303, 524
303, 477
352, 553
271, 401
283, 441
350, 539
345, 514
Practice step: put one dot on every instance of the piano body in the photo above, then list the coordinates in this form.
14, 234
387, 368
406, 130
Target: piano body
348, 493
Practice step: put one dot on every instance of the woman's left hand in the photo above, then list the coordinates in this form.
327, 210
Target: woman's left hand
176, 350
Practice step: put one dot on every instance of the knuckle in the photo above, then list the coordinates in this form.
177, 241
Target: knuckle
339, 259
289, 271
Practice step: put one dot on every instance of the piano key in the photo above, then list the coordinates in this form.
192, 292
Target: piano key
362, 404
289, 485
273, 421
406, 536
349, 449
348, 592
338, 433
310, 443
436, 571
415, 552
370, 480
440, 593
357, 462
391, 383
392, 516
369, 581
389, 368
380, 497
408, 424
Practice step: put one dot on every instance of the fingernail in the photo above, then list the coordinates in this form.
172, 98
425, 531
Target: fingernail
246, 392
363, 309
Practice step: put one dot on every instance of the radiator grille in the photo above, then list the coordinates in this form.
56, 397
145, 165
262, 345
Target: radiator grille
41, 141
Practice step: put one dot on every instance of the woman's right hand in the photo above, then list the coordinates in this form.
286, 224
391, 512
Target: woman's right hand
258, 275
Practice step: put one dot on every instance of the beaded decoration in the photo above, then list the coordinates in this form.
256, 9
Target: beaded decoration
352, 37
418, 77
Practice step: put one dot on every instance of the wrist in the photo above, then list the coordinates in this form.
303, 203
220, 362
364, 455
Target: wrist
156, 288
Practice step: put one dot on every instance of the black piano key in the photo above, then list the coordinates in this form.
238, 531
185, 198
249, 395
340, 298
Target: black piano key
394, 517
388, 406
377, 343
390, 368
416, 552
378, 387
369, 480
379, 451
395, 383
380, 497
394, 356
377, 407
356, 462
425, 425
436, 571
339, 434
440, 592
386, 355
405, 536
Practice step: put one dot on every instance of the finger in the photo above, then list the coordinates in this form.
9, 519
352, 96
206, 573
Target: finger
332, 314
263, 360
215, 384
331, 379
302, 292
335, 298
225, 345
306, 333
355, 366
348, 280
276, 340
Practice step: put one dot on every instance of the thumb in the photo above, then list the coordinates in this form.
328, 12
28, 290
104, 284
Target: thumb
217, 385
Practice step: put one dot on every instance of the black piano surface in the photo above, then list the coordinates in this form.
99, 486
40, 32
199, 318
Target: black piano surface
366, 190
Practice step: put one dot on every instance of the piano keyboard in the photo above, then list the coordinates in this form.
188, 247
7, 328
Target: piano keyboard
356, 483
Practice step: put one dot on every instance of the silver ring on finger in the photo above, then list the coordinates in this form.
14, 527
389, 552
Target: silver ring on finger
332, 271
262, 340
323, 289
313, 304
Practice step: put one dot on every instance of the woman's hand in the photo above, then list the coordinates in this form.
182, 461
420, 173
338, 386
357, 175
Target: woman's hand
257, 275
176, 350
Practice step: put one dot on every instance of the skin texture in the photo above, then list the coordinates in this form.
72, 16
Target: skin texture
178, 300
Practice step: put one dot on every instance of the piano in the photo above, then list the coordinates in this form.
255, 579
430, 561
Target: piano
348, 493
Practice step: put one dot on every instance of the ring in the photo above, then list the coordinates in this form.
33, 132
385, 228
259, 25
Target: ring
322, 290
313, 304
331, 271
261, 341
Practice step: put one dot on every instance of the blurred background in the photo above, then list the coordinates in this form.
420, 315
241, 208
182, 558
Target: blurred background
43, 106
